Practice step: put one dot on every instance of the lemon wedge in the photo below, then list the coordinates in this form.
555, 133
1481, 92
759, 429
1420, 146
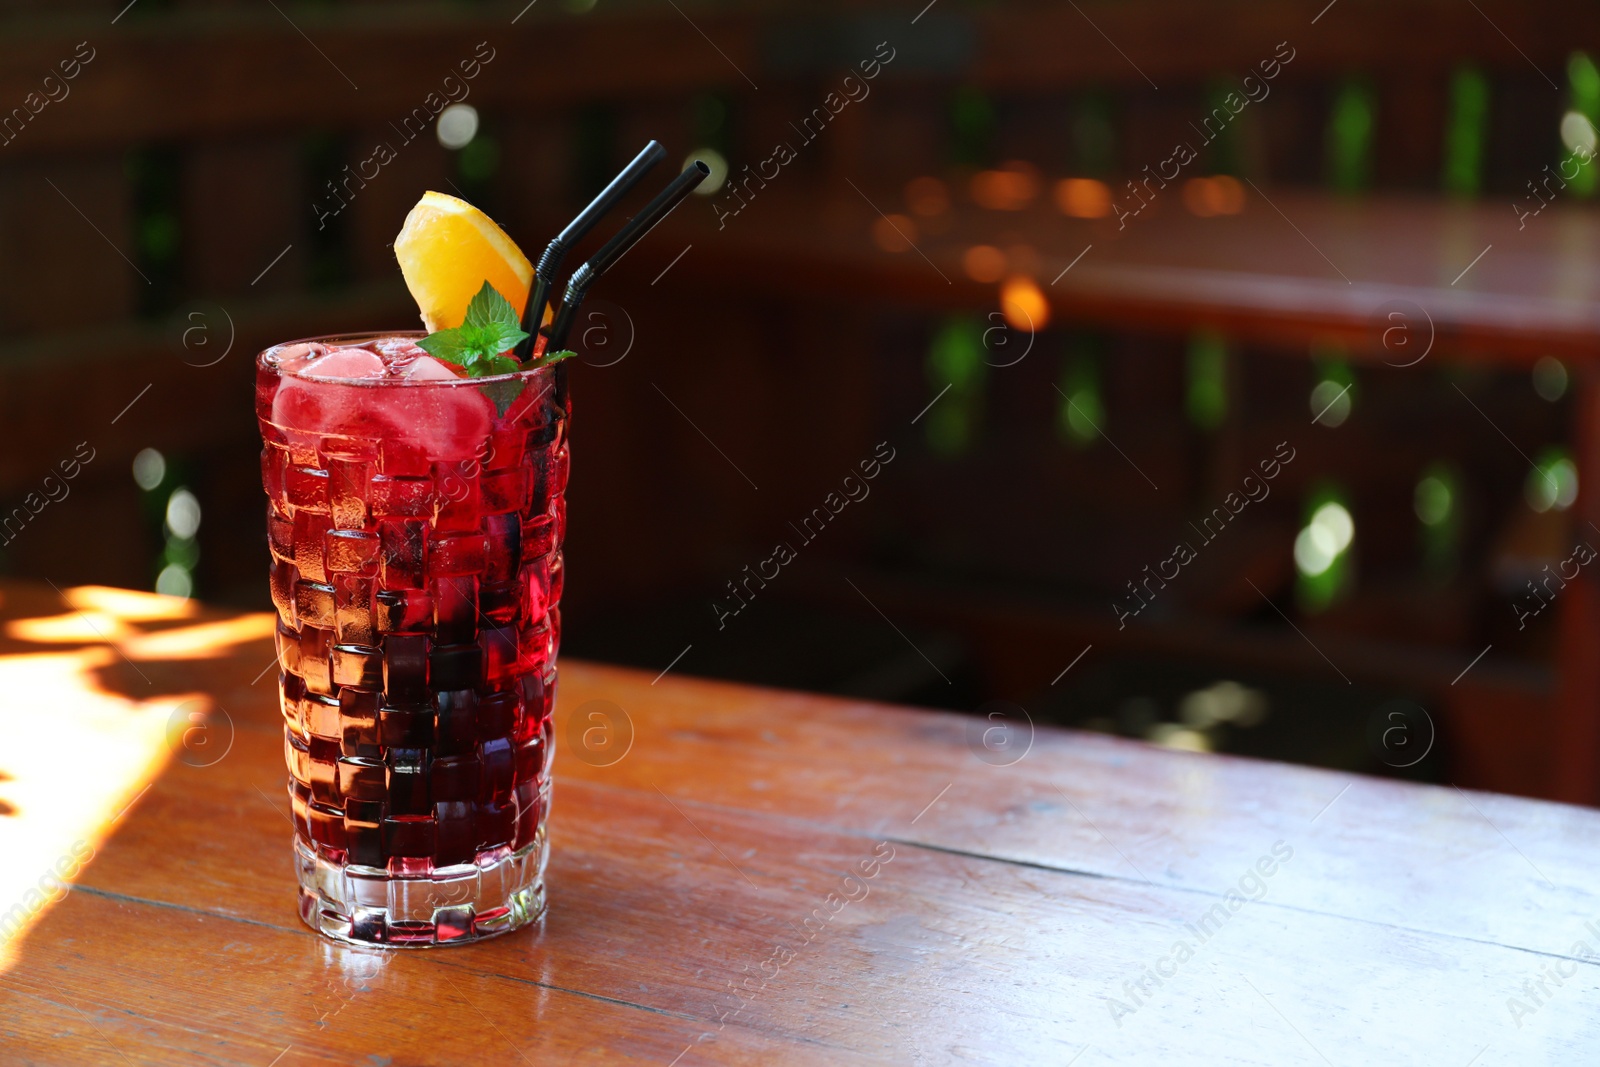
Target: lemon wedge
447, 249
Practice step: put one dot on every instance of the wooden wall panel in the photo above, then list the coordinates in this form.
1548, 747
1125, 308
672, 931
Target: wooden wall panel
69, 250
378, 208
188, 74
245, 203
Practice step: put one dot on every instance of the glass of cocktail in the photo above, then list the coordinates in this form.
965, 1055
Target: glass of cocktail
415, 522
415, 485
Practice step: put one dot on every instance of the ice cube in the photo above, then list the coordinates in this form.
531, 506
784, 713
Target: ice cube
317, 400
450, 422
291, 359
345, 363
427, 369
348, 391
323, 406
398, 352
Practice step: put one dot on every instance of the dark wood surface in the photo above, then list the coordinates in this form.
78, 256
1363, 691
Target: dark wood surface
216, 67
1292, 268
1018, 900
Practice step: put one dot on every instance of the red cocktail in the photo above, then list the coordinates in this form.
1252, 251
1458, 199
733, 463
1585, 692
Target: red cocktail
415, 486
415, 519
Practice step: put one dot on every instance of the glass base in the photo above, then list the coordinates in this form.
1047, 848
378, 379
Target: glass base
500, 892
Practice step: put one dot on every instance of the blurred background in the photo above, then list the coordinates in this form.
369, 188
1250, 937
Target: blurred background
1307, 290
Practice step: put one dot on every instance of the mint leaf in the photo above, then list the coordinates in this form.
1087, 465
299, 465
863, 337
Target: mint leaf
492, 327
479, 341
445, 345
502, 338
504, 392
550, 359
489, 308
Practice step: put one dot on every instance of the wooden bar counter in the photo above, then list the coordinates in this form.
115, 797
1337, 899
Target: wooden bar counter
763, 876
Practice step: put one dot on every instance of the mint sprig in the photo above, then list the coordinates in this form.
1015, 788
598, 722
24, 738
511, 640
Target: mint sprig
492, 327
477, 346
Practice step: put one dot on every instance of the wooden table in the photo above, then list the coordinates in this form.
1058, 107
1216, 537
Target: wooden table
700, 905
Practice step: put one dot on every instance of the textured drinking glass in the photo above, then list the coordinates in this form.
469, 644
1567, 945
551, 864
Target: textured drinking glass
415, 528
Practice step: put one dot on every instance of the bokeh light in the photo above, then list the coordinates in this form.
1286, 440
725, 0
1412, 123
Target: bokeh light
149, 469
1578, 133
1433, 500
1024, 305
1327, 536
1550, 378
1083, 198
1217, 195
1553, 482
183, 514
457, 126
1330, 403
1010, 188
718, 165
175, 580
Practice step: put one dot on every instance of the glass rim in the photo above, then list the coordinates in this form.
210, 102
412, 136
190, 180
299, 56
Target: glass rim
343, 340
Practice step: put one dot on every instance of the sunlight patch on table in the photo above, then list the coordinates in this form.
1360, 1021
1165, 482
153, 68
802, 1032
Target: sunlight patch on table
72, 757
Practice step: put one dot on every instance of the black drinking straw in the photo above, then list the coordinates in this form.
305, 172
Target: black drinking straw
614, 249
550, 262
